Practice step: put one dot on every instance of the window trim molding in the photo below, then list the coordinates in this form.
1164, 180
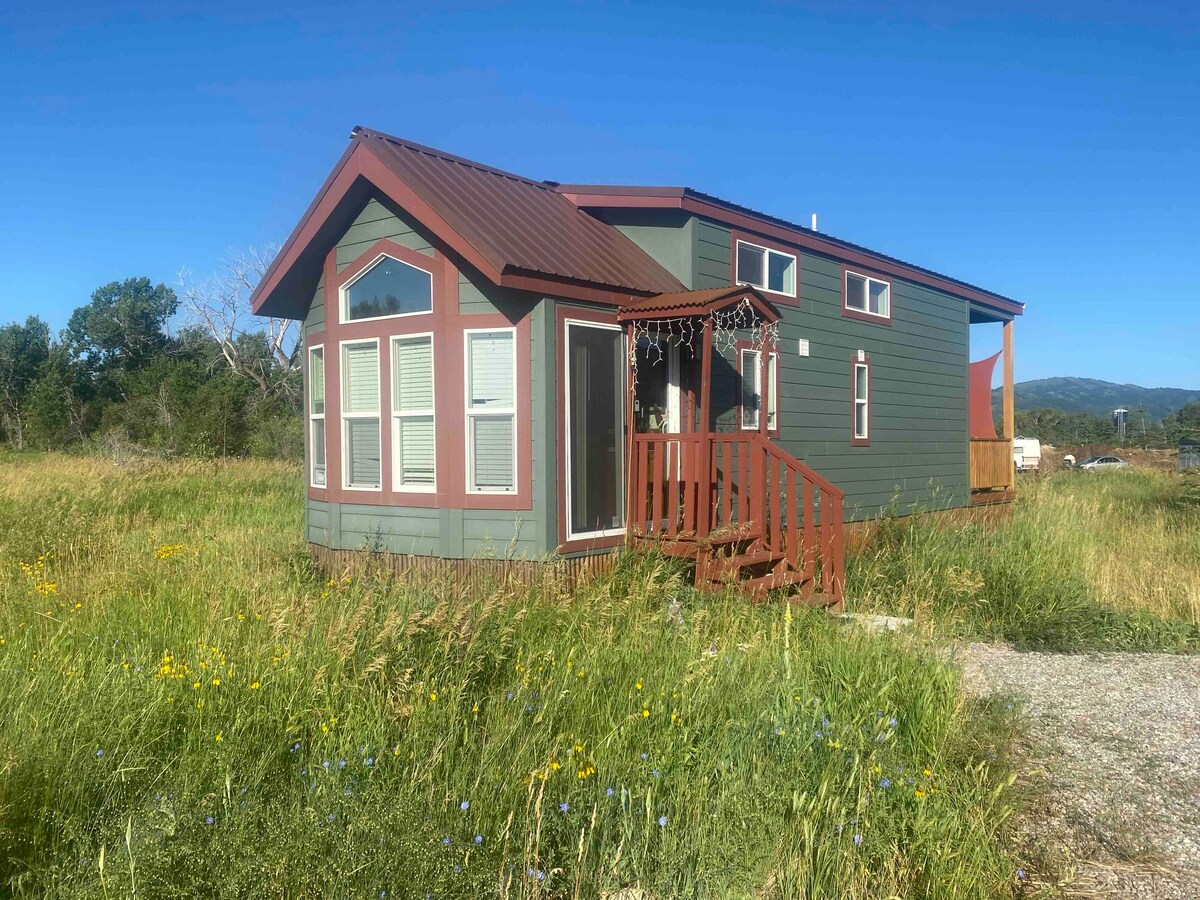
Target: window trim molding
310, 415
343, 382
366, 260
570, 318
855, 365
468, 443
742, 347
850, 312
395, 471
738, 239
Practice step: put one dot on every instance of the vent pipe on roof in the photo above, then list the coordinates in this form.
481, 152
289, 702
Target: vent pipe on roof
814, 224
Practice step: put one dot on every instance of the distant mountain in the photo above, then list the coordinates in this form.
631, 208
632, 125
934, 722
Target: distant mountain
1096, 397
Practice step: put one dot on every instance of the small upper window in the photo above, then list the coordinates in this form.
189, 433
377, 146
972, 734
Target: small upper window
388, 288
766, 269
867, 295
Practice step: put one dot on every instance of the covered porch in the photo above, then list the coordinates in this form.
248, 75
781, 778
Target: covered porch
717, 491
992, 472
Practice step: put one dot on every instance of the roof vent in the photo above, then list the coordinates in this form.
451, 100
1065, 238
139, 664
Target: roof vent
814, 222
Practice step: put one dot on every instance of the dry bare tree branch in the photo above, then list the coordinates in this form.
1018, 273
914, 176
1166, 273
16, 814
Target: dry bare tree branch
220, 305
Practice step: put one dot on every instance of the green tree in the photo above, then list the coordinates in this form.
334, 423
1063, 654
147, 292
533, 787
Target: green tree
23, 350
121, 329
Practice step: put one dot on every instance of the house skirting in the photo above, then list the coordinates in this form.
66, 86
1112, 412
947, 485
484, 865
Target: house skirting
475, 572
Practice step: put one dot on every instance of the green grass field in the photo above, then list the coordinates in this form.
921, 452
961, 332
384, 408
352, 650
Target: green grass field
189, 709
1104, 562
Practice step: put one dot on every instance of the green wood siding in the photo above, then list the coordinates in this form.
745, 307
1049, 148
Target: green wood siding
918, 451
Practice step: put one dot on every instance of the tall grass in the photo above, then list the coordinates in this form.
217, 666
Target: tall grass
1081, 562
189, 709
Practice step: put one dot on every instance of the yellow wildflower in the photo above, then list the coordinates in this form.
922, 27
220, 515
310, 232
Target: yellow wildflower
216, 682
918, 793
645, 713
433, 696
638, 684
254, 685
220, 737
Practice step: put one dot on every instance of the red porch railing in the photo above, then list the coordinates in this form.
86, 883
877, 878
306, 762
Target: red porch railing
742, 507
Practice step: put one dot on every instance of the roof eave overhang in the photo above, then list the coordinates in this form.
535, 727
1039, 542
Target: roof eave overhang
618, 197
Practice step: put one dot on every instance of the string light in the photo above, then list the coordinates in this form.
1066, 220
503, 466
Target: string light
655, 336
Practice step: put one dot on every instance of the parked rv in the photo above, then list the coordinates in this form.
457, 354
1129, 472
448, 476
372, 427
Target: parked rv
1027, 454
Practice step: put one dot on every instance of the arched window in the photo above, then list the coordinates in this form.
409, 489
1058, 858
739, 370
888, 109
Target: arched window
387, 288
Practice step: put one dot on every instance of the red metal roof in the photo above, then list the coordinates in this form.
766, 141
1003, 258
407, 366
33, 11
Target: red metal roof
695, 303
517, 223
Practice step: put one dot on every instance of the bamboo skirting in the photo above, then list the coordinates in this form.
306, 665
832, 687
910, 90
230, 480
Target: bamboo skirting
480, 571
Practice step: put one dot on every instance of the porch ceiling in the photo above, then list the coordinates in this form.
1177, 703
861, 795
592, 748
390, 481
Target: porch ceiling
695, 303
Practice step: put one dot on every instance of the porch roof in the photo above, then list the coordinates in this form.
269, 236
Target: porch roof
695, 303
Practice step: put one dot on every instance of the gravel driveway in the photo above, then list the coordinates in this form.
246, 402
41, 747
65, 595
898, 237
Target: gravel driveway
1115, 757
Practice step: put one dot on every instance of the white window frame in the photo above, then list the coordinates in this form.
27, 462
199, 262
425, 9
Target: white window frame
883, 316
767, 251
346, 416
771, 397
312, 417
488, 411
606, 532
430, 413
343, 292
863, 401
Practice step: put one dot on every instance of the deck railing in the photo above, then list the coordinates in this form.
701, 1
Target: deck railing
738, 487
991, 464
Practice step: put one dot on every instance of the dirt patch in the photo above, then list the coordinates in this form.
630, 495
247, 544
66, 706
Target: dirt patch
1114, 764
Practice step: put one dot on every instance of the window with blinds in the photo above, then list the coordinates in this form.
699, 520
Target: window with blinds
360, 415
413, 441
316, 416
491, 410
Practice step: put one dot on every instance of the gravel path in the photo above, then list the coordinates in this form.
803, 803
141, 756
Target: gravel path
1115, 758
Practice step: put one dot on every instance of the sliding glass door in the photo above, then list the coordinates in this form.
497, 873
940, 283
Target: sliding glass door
595, 390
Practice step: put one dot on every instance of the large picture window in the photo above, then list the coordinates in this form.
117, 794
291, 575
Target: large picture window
413, 436
767, 269
491, 410
387, 288
316, 416
868, 297
360, 415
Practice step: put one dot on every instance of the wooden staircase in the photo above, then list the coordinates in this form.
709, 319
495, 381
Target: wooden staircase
744, 510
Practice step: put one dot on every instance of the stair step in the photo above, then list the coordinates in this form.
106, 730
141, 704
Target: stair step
742, 560
774, 581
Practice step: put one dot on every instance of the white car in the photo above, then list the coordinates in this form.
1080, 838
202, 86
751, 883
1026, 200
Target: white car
1103, 464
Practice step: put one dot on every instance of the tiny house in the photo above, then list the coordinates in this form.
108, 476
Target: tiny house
499, 367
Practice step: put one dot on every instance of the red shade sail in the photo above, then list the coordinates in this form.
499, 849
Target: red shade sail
979, 398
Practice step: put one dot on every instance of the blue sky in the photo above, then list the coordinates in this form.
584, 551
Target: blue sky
1048, 152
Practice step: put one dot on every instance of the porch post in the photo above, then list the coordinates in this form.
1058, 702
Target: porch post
1009, 400
763, 387
631, 471
704, 482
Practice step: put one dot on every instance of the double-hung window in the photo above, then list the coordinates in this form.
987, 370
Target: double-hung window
751, 399
316, 416
868, 296
767, 269
413, 441
862, 400
491, 410
360, 415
